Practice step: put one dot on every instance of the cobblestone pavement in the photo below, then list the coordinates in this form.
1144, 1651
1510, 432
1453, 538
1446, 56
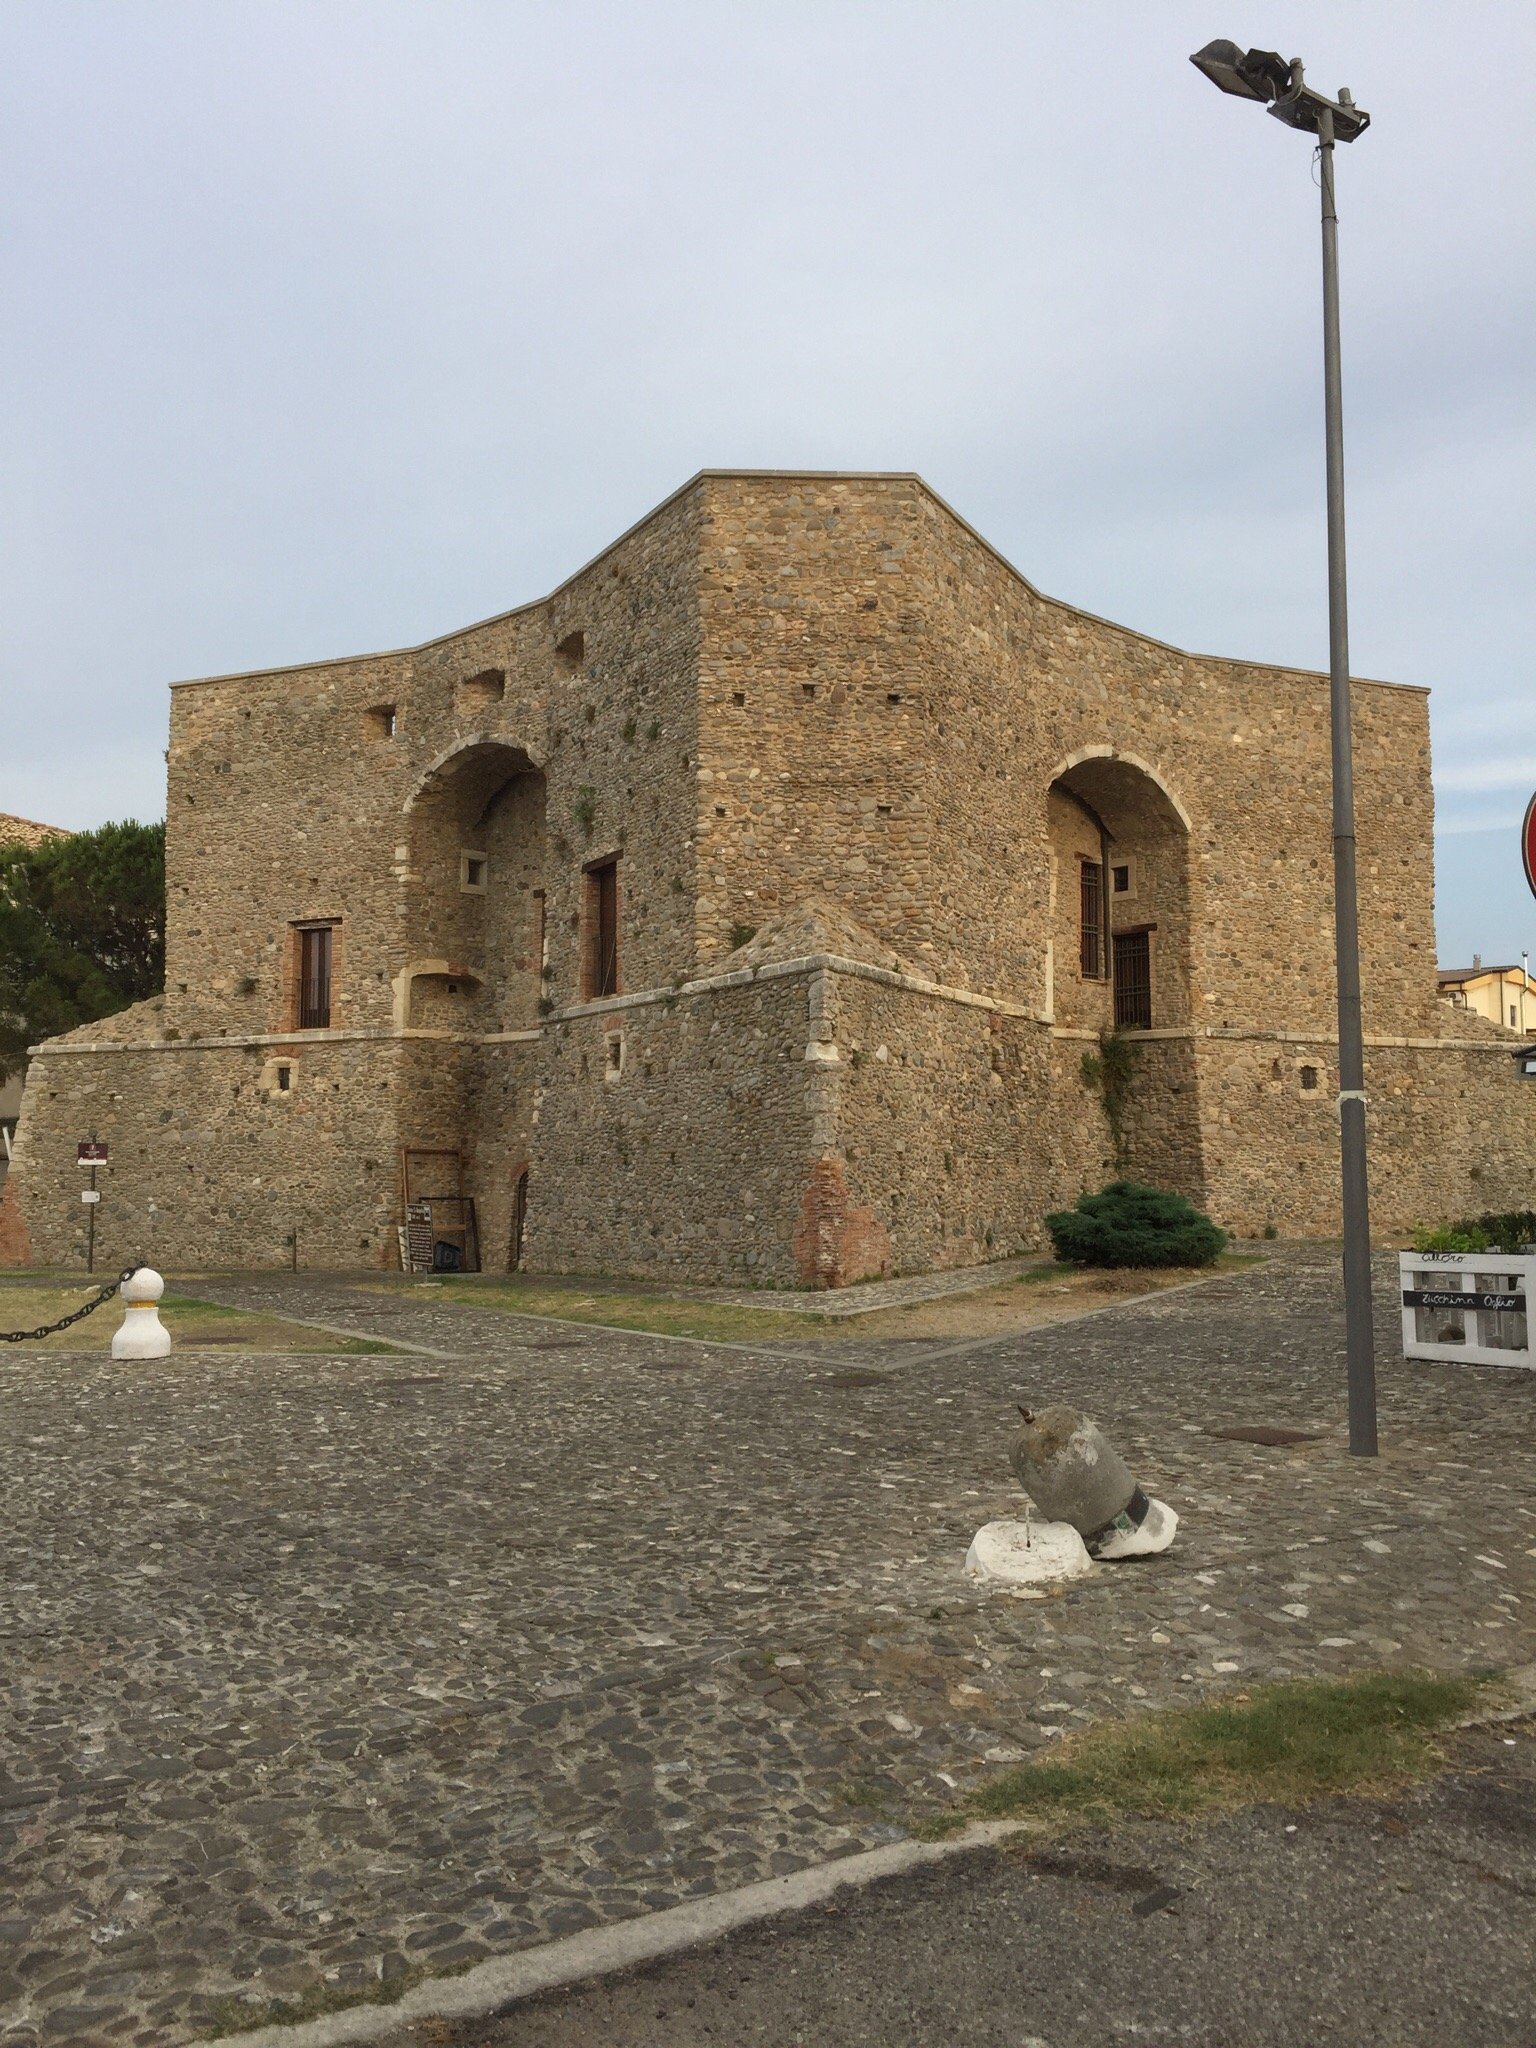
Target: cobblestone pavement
321, 1670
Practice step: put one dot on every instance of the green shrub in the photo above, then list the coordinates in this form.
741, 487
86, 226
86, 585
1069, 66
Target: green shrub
1131, 1225
1509, 1230
1452, 1237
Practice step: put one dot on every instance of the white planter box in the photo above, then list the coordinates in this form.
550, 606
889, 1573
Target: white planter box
1490, 1327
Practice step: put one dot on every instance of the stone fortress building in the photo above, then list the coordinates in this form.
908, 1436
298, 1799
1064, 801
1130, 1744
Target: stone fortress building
755, 908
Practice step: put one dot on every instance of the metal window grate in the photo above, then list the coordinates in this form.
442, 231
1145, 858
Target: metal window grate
1133, 981
1090, 919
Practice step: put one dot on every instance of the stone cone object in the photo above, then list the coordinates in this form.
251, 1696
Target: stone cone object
1074, 1474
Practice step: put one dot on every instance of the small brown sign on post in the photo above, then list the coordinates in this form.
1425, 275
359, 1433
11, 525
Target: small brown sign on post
91, 1152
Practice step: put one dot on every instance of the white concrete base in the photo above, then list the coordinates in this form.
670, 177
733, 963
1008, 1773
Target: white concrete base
1026, 1554
1155, 1534
142, 1334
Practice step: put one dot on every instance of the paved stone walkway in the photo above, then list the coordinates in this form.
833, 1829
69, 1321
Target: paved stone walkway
317, 1670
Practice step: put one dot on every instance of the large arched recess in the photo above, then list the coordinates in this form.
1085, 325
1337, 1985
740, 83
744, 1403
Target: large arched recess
1115, 815
474, 894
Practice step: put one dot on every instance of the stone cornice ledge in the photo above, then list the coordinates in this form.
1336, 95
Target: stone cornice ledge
783, 970
1244, 1035
297, 1040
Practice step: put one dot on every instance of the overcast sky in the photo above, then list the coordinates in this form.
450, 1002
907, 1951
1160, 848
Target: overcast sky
333, 325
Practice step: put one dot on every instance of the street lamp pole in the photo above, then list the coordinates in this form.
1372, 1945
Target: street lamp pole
1263, 75
1359, 1337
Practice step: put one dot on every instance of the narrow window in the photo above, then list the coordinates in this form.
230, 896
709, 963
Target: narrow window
315, 954
472, 872
602, 883
284, 1080
571, 654
1133, 981
1309, 1078
379, 720
1090, 928
1121, 879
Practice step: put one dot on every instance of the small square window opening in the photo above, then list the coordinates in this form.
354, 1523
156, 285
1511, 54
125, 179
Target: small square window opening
473, 868
1121, 878
1308, 1079
738, 698
477, 692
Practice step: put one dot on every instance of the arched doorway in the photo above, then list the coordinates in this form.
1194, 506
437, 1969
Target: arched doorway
1120, 933
471, 976
474, 900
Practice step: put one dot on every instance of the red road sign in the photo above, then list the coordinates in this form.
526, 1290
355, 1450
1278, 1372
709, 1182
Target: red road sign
1528, 844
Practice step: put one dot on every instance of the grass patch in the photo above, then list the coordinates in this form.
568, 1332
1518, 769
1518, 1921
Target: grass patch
193, 1324
234, 2015
658, 1315
632, 1305
1281, 1745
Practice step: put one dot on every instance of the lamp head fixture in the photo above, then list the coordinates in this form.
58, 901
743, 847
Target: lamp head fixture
1264, 75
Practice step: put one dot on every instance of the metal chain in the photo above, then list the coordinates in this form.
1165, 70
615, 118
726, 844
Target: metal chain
86, 1308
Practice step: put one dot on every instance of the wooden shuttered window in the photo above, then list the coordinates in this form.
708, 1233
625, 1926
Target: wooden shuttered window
316, 953
602, 963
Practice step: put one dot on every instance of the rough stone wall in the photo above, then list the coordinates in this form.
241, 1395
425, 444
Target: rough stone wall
693, 1162
290, 799
813, 738
960, 1127
211, 1165
1243, 749
1162, 1141
1451, 1132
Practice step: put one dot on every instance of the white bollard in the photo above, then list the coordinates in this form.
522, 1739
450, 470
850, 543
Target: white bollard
142, 1334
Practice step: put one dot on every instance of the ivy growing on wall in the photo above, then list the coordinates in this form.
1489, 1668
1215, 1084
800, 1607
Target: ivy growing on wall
1111, 1071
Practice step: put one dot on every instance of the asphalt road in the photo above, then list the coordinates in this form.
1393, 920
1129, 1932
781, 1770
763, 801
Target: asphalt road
1406, 1921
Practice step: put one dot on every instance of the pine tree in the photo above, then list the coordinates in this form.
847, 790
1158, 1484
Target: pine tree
82, 932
